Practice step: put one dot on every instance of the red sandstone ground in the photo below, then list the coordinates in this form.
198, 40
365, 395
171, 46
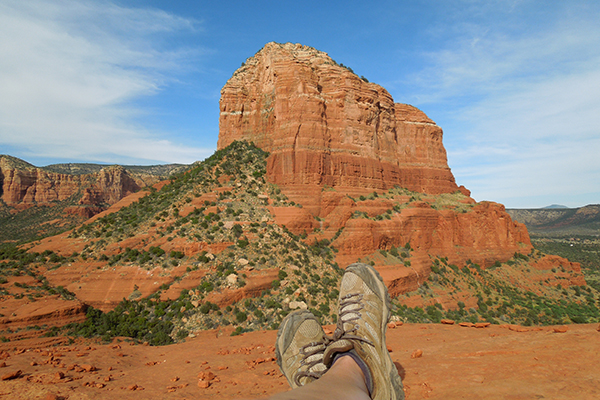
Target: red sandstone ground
497, 362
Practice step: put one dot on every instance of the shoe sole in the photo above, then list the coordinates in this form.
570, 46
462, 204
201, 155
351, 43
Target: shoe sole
374, 280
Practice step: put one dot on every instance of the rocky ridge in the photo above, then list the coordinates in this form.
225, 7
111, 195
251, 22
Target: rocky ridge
560, 221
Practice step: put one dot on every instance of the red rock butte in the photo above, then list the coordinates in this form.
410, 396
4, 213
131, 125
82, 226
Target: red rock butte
323, 125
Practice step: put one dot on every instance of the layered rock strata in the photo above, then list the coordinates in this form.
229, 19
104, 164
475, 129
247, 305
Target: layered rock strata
333, 137
323, 125
22, 185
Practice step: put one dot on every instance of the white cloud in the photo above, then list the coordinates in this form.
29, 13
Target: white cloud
70, 71
524, 109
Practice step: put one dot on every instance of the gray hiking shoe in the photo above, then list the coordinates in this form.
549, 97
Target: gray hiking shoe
364, 311
299, 348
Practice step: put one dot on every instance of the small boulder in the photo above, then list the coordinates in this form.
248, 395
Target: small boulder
560, 329
417, 354
232, 279
206, 376
11, 375
203, 384
88, 367
298, 305
517, 328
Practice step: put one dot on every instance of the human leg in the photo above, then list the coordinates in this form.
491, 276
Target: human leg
343, 381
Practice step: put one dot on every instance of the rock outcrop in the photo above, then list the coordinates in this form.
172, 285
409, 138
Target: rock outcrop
323, 125
332, 135
22, 185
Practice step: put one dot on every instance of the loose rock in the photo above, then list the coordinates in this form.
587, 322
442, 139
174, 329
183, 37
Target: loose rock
11, 375
417, 354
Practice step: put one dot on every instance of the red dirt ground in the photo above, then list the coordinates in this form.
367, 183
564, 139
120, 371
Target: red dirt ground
497, 362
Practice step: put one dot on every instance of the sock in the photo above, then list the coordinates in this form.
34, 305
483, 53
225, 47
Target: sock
363, 367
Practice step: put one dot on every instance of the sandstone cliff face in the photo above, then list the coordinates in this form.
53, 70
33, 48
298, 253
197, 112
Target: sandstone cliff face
24, 184
323, 125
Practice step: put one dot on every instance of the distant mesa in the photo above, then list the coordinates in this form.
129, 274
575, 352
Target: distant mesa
558, 220
556, 206
68, 194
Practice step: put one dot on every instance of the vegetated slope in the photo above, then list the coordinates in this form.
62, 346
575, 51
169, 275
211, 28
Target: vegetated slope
204, 251
35, 223
572, 233
526, 290
210, 233
584, 250
560, 222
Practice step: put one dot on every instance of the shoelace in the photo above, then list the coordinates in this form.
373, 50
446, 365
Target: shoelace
351, 299
307, 353
314, 348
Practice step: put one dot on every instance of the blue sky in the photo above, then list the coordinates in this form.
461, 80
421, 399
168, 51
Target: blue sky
515, 85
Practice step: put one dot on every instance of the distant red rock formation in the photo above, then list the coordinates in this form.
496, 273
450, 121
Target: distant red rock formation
23, 185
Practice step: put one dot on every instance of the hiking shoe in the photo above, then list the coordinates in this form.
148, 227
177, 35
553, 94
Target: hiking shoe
364, 311
299, 348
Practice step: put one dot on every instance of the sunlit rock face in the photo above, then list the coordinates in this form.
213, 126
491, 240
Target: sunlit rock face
323, 125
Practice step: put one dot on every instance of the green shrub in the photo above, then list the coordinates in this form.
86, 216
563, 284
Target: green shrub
241, 317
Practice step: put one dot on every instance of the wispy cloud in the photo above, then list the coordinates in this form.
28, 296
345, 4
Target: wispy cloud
71, 71
523, 107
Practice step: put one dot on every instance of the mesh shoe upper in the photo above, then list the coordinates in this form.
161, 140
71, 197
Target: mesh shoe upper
300, 345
